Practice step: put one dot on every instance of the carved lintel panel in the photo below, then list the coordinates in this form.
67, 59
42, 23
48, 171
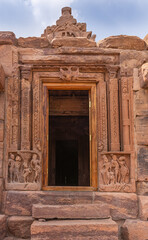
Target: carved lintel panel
114, 114
25, 114
24, 170
102, 116
115, 172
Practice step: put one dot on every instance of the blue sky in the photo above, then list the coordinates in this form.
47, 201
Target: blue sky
103, 17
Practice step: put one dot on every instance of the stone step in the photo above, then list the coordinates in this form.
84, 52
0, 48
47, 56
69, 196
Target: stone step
3, 221
74, 230
77, 211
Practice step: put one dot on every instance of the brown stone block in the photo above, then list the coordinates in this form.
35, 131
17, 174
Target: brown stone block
19, 226
20, 202
2, 98
123, 42
135, 230
142, 188
81, 211
1, 130
6, 58
1, 192
2, 226
142, 130
33, 42
75, 229
141, 102
122, 205
2, 78
142, 159
7, 38
143, 207
72, 42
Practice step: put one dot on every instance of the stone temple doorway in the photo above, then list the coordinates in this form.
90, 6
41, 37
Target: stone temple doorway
69, 153
70, 146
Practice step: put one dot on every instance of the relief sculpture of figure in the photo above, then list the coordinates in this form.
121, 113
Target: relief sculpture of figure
17, 168
115, 168
35, 164
124, 171
105, 170
26, 172
11, 167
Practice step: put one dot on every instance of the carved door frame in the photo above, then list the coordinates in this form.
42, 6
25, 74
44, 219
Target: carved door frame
91, 87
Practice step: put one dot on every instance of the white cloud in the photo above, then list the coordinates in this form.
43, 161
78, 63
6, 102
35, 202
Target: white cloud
46, 12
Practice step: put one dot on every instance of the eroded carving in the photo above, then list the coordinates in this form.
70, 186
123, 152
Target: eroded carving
67, 26
114, 171
69, 73
24, 167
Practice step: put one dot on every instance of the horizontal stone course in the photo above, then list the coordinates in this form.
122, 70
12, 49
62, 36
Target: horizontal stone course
74, 230
135, 230
81, 211
3, 220
122, 205
19, 226
143, 207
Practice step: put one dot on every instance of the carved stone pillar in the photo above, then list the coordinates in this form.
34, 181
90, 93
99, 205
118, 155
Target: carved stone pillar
126, 83
102, 116
114, 109
25, 110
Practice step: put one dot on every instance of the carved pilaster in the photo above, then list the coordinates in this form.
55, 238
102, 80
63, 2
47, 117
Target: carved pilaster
36, 113
102, 116
25, 108
25, 114
114, 109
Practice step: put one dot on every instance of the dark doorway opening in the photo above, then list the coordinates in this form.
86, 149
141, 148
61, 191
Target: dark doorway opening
69, 161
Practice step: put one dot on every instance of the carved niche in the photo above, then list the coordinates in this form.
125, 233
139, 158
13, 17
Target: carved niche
115, 173
24, 167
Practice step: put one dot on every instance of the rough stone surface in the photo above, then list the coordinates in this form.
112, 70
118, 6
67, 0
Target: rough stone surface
122, 205
1, 192
1, 130
20, 202
123, 42
146, 39
80, 229
2, 226
142, 188
142, 159
144, 75
7, 38
81, 211
33, 42
73, 42
2, 78
143, 207
19, 226
135, 230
